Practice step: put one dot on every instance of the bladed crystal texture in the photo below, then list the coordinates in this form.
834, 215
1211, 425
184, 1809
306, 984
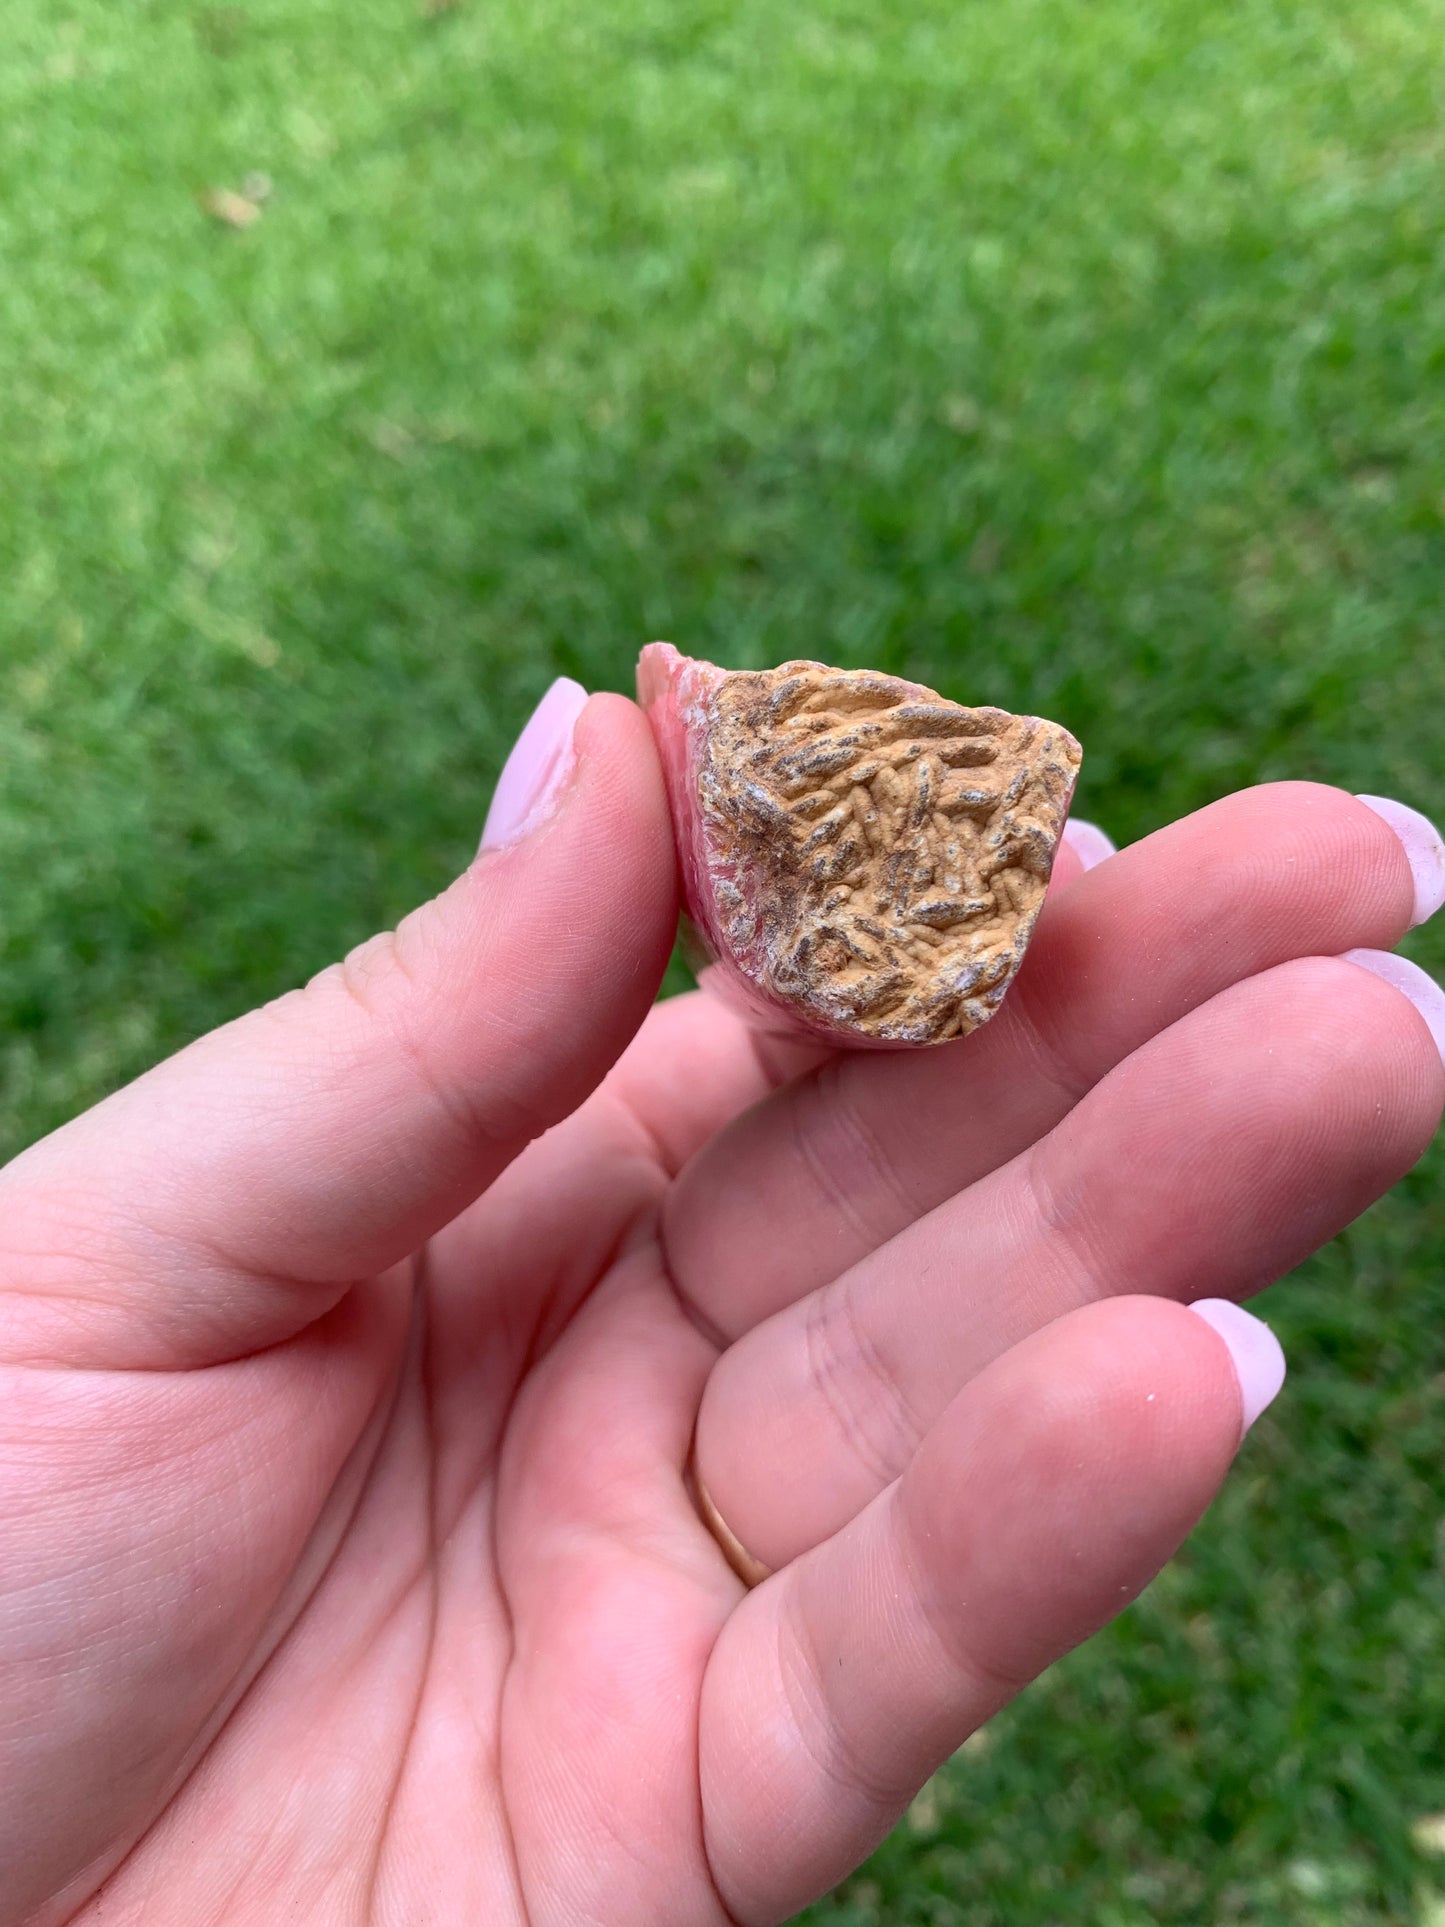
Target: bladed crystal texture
863, 860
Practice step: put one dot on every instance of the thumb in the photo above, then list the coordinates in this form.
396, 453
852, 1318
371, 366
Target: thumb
228, 1197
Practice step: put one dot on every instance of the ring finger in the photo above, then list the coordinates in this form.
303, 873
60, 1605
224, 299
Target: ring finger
1208, 1163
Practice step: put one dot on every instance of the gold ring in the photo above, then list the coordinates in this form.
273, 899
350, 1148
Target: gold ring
751, 1571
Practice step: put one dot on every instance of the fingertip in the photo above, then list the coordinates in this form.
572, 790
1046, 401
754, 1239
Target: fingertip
1424, 852
1089, 843
1255, 1352
607, 709
537, 768
1412, 982
1068, 865
615, 740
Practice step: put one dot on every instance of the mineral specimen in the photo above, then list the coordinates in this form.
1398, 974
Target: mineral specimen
863, 861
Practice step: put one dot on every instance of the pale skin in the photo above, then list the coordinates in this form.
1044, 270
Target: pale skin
349, 1364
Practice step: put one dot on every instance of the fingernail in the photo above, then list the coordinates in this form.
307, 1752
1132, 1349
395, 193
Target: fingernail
1424, 849
534, 772
1258, 1355
1411, 981
1089, 843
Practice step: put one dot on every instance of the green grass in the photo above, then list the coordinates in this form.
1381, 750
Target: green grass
1087, 358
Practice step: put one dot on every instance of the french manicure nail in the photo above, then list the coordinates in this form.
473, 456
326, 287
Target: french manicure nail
1411, 981
1424, 849
534, 772
1088, 842
1257, 1353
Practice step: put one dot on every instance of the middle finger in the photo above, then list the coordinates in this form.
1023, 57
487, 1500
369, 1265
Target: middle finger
830, 1167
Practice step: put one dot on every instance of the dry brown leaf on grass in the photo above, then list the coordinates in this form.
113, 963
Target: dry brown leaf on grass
226, 205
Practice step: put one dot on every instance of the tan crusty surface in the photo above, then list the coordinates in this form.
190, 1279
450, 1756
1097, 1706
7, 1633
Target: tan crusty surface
881, 854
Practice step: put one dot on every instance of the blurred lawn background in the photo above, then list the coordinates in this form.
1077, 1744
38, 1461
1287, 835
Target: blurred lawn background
1083, 358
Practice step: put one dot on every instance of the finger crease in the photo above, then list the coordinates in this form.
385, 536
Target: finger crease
822, 1734
939, 1618
834, 1371
835, 1166
1063, 1226
1050, 1059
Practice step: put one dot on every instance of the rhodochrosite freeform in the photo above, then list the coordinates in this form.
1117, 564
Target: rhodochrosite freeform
863, 860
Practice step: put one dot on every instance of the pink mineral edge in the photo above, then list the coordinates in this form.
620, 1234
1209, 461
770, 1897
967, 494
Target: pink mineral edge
676, 692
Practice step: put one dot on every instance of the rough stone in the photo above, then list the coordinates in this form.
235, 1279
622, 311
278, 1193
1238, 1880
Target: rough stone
866, 857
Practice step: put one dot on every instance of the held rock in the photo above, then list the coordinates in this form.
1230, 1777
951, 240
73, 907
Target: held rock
863, 860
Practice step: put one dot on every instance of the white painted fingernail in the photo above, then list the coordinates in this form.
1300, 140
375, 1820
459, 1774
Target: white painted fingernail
1258, 1355
1412, 982
1089, 843
1424, 848
534, 772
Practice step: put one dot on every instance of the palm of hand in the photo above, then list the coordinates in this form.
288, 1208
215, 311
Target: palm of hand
387, 1600
438, 1553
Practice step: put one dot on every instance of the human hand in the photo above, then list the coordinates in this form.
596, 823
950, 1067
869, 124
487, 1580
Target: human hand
351, 1568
